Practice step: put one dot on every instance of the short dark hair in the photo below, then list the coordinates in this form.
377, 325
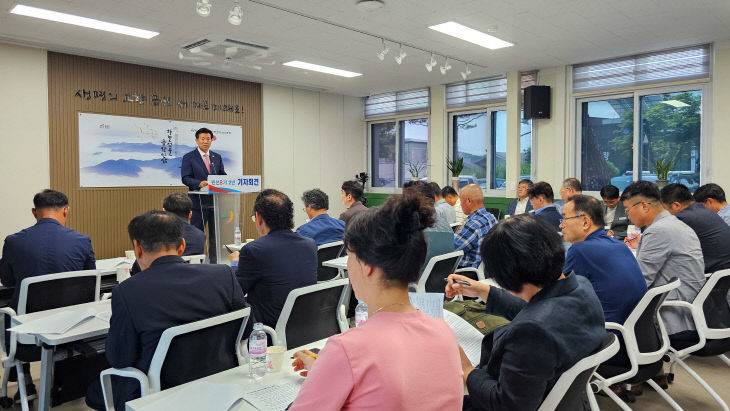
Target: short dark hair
676, 193
541, 188
573, 183
526, 181
435, 188
353, 188
583, 204
202, 131
523, 249
275, 208
448, 191
317, 199
155, 230
643, 188
419, 187
50, 199
609, 191
179, 204
391, 237
710, 190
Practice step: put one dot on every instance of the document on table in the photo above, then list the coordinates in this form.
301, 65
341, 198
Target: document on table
430, 303
274, 397
104, 315
58, 323
468, 337
111, 263
198, 396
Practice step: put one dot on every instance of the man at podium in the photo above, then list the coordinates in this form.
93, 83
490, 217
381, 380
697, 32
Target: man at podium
196, 166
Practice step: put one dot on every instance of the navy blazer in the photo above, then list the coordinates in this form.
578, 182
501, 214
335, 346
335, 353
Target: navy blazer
193, 171
273, 265
513, 205
168, 293
44, 248
714, 236
552, 216
521, 361
194, 240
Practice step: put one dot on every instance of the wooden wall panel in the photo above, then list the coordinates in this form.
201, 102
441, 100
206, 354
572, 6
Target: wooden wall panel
103, 213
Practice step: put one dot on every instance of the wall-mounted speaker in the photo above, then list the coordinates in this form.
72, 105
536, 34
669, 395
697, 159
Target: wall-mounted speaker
537, 102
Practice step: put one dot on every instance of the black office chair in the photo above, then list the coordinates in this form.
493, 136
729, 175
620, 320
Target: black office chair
438, 268
495, 212
312, 313
326, 252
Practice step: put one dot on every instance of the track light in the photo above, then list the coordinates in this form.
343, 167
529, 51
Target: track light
236, 14
431, 64
203, 8
401, 55
466, 72
446, 67
384, 51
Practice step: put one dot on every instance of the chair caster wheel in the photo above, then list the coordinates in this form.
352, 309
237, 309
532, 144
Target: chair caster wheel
670, 378
6, 402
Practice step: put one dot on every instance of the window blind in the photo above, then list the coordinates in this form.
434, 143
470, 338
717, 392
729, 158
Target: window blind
399, 102
484, 91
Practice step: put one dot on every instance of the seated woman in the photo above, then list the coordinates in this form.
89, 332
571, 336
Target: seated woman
400, 359
556, 319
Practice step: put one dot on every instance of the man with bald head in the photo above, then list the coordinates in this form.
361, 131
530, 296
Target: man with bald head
477, 224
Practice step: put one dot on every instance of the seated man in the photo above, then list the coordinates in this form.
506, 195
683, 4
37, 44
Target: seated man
570, 187
277, 262
168, 292
351, 197
522, 204
713, 234
667, 248
440, 236
454, 201
607, 263
45, 248
712, 196
443, 208
614, 212
541, 197
320, 227
476, 226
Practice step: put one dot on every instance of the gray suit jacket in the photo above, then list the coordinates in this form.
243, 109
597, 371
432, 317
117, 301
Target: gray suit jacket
620, 221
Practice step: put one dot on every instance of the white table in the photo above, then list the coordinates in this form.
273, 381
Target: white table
340, 263
92, 328
236, 376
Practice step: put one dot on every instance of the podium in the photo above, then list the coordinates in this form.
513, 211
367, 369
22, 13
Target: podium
224, 196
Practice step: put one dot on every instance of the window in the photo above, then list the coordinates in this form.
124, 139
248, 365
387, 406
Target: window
398, 149
400, 102
525, 147
668, 126
481, 139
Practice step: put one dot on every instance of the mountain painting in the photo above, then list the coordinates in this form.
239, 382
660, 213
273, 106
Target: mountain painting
121, 151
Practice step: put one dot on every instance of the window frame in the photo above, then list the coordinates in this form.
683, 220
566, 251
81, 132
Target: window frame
396, 120
637, 93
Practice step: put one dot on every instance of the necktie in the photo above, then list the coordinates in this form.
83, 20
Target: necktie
206, 161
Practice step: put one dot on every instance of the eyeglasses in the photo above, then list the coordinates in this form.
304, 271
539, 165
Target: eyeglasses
562, 220
637, 203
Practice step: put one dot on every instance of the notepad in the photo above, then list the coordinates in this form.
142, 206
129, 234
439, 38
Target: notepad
430, 303
57, 323
274, 397
468, 337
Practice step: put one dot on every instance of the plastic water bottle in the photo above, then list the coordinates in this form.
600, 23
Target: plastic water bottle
257, 352
237, 236
361, 313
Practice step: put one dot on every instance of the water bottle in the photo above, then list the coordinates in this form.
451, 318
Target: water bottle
237, 236
361, 313
257, 352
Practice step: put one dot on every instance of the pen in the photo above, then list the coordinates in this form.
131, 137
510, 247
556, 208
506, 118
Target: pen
462, 282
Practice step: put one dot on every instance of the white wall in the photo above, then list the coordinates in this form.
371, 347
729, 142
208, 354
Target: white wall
311, 140
720, 172
24, 119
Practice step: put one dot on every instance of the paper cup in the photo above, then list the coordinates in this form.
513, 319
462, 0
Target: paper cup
276, 357
130, 255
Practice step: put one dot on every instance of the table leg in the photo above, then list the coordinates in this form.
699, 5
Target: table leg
44, 393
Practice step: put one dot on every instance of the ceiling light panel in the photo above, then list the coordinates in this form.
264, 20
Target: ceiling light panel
322, 69
462, 32
51, 15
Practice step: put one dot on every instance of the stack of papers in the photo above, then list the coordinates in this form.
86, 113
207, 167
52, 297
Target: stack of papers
58, 323
468, 337
274, 397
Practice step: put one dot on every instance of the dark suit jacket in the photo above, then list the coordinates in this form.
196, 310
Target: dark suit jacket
620, 221
167, 294
44, 248
522, 360
355, 208
714, 236
193, 171
273, 265
194, 244
513, 205
552, 216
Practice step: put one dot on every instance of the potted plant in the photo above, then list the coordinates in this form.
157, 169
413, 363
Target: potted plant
415, 169
455, 167
662, 168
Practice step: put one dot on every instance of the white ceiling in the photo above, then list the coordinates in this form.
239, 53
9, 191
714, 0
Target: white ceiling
546, 33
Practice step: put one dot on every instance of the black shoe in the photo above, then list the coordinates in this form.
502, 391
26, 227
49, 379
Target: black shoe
30, 392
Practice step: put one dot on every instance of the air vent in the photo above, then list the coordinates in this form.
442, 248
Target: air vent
196, 44
243, 43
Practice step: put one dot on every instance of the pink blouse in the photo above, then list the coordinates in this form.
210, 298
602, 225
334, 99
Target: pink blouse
395, 361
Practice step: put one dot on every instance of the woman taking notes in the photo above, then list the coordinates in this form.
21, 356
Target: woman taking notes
400, 359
